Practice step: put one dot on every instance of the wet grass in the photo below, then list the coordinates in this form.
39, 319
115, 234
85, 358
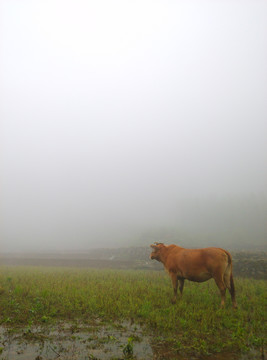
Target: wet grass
196, 324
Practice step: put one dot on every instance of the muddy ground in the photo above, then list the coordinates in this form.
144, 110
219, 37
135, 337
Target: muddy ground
75, 341
98, 341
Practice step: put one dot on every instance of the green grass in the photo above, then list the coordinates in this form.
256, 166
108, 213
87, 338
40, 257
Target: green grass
31, 295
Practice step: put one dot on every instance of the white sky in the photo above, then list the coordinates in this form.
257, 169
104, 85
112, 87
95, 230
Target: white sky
111, 111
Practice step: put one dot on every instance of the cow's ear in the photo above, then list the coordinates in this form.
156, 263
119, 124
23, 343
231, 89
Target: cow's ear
153, 246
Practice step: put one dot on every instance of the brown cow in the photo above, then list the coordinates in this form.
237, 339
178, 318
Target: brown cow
196, 265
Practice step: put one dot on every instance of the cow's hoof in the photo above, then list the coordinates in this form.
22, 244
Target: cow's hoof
173, 301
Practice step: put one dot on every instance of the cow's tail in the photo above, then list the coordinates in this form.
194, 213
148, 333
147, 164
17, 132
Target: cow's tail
228, 277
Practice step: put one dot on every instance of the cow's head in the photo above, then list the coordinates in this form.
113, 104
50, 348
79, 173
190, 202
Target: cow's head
157, 247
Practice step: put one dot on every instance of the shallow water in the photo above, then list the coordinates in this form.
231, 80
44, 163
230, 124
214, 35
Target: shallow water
68, 341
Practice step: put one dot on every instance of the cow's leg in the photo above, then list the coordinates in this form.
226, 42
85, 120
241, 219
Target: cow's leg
220, 283
181, 286
175, 286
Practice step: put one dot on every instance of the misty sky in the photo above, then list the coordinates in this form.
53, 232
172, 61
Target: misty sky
114, 111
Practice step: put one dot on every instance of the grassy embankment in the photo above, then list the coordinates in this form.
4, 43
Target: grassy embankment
195, 324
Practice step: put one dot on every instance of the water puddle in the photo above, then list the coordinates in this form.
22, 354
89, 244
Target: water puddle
76, 341
70, 342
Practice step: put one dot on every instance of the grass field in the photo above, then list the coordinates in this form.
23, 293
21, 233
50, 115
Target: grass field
195, 325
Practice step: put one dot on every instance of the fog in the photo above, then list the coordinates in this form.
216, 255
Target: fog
126, 122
